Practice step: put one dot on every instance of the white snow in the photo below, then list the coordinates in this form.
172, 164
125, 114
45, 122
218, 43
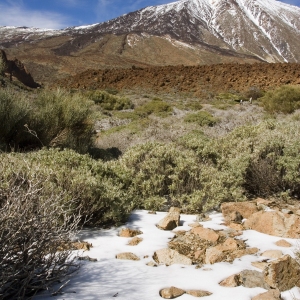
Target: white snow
133, 280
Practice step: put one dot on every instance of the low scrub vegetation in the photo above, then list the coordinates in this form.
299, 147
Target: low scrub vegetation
172, 157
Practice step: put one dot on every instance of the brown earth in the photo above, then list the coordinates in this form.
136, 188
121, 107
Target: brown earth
199, 80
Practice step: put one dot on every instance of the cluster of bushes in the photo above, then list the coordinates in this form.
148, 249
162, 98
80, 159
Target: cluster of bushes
202, 118
109, 101
156, 106
47, 118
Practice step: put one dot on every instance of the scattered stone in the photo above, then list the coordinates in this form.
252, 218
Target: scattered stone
252, 279
287, 211
231, 281
202, 218
82, 246
206, 234
236, 226
169, 257
171, 220
151, 264
235, 217
283, 243
127, 256
135, 241
283, 273
198, 293
245, 209
272, 254
128, 232
259, 264
171, 293
195, 225
275, 223
269, 295
152, 212
87, 258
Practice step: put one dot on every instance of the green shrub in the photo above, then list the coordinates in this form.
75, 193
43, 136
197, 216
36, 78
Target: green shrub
202, 118
14, 110
285, 99
109, 101
95, 189
155, 106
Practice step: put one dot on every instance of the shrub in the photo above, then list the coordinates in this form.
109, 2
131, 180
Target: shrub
109, 101
202, 118
285, 99
155, 106
14, 110
99, 189
32, 228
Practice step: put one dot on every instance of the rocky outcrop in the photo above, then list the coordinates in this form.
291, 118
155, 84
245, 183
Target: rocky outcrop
275, 223
16, 69
171, 220
236, 211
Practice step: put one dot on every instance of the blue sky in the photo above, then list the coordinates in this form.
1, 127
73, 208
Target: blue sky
57, 14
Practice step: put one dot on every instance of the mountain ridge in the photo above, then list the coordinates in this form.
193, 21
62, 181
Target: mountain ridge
188, 32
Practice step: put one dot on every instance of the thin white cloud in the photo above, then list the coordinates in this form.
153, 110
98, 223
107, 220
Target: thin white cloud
15, 14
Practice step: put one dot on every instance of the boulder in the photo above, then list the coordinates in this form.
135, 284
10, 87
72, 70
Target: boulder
275, 223
231, 281
259, 264
283, 243
283, 273
272, 254
128, 232
206, 234
171, 220
169, 257
135, 241
252, 279
127, 256
238, 209
269, 295
171, 292
198, 293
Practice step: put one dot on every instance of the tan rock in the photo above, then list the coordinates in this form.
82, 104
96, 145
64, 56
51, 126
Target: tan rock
252, 279
127, 256
135, 241
169, 257
171, 220
259, 264
235, 226
171, 293
195, 225
283, 273
151, 264
269, 295
272, 254
263, 201
297, 212
275, 223
214, 255
231, 281
283, 243
198, 293
246, 209
206, 234
82, 246
127, 232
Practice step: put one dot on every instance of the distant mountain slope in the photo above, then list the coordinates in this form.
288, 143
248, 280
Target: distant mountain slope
183, 32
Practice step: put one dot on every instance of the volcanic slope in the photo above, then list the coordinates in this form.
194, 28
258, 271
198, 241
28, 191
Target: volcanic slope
188, 32
199, 80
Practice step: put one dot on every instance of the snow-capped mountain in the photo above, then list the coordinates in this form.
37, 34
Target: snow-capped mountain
193, 31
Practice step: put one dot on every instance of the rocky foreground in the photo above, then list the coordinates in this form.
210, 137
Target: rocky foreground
274, 272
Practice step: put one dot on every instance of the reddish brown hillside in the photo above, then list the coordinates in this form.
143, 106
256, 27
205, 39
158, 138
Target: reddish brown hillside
196, 79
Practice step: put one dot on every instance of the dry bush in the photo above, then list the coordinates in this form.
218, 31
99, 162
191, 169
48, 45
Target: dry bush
32, 227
